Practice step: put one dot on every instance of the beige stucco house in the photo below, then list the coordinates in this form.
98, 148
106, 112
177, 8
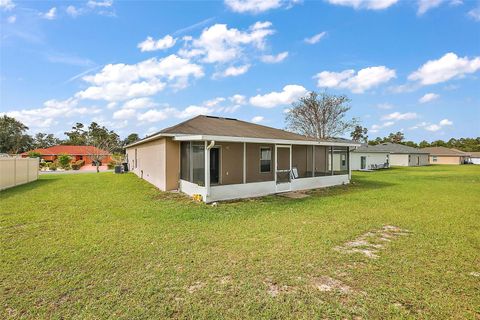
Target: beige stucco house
224, 158
443, 155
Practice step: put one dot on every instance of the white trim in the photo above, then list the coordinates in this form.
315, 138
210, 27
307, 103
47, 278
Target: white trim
244, 162
207, 169
262, 140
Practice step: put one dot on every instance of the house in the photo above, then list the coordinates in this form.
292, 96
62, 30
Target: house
398, 155
443, 155
224, 158
367, 158
475, 157
85, 153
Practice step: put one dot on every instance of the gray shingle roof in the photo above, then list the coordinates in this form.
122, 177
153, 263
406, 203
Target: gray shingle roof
442, 151
389, 147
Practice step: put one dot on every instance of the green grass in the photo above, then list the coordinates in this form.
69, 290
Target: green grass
112, 246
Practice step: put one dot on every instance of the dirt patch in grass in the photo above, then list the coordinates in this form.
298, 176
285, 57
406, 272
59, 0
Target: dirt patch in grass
327, 284
195, 287
370, 243
274, 289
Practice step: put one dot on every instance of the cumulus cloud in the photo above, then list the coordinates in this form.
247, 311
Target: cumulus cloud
474, 14
450, 66
12, 19
428, 97
151, 44
101, 4
289, 94
256, 6
274, 58
120, 81
232, 71
400, 116
257, 119
425, 5
7, 4
238, 99
51, 111
432, 127
316, 38
377, 127
365, 4
50, 14
73, 11
359, 82
220, 44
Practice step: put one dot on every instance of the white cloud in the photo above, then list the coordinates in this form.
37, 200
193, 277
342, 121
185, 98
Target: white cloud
357, 83
123, 81
151, 44
232, 71
50, 113
377, 127
155, 115
12, 19
365, 4
73, 11
400, 116
316, 38
253, 6
238, 99
274, 58
448, 67
7, 4
428, 97
433, 127
219, 44
384, 106
445, 122
257, 119
50, 14
139, 103
289, 94
102, 4
474, 14
124, 114
425, 5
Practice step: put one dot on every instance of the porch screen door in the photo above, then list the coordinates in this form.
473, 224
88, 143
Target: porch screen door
283, 168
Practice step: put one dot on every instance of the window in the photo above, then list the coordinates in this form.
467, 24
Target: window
434, 158
344, 159
265, 160
185, 160
136, 161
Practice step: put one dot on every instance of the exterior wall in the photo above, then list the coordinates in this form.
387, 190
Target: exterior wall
16, 171
399, 160
422, 160
475, 160
253, 163
371, 159
446, 160
150, 163
172, 166
231, 162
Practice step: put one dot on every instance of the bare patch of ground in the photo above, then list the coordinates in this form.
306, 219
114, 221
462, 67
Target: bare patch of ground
274, 289
370, 243
294, 195
475, 274
196, 286
327, 284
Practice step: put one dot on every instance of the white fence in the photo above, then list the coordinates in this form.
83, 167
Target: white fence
16, 171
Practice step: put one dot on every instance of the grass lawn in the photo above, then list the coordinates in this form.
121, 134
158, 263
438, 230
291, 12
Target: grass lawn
104, 245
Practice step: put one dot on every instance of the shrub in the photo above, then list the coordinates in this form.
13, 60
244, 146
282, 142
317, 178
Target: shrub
111, 164
53, 166
77, 164
64, 161
33, 154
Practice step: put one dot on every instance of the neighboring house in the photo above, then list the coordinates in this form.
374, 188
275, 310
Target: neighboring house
442, 155
475, 157
367, 158
85, 153
398, 155
224, 158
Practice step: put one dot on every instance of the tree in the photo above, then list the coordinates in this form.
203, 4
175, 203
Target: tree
359, 134
77, 136
397, 137
424, 144
34, 154
131, 138
103, 140
64, 161
44, 140
320, 116
13, 138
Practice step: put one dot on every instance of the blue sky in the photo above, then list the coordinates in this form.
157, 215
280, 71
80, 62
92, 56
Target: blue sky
139, 66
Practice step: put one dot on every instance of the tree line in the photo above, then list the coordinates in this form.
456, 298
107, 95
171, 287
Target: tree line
14, 138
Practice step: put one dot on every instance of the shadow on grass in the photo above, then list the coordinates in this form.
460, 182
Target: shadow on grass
40, 183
